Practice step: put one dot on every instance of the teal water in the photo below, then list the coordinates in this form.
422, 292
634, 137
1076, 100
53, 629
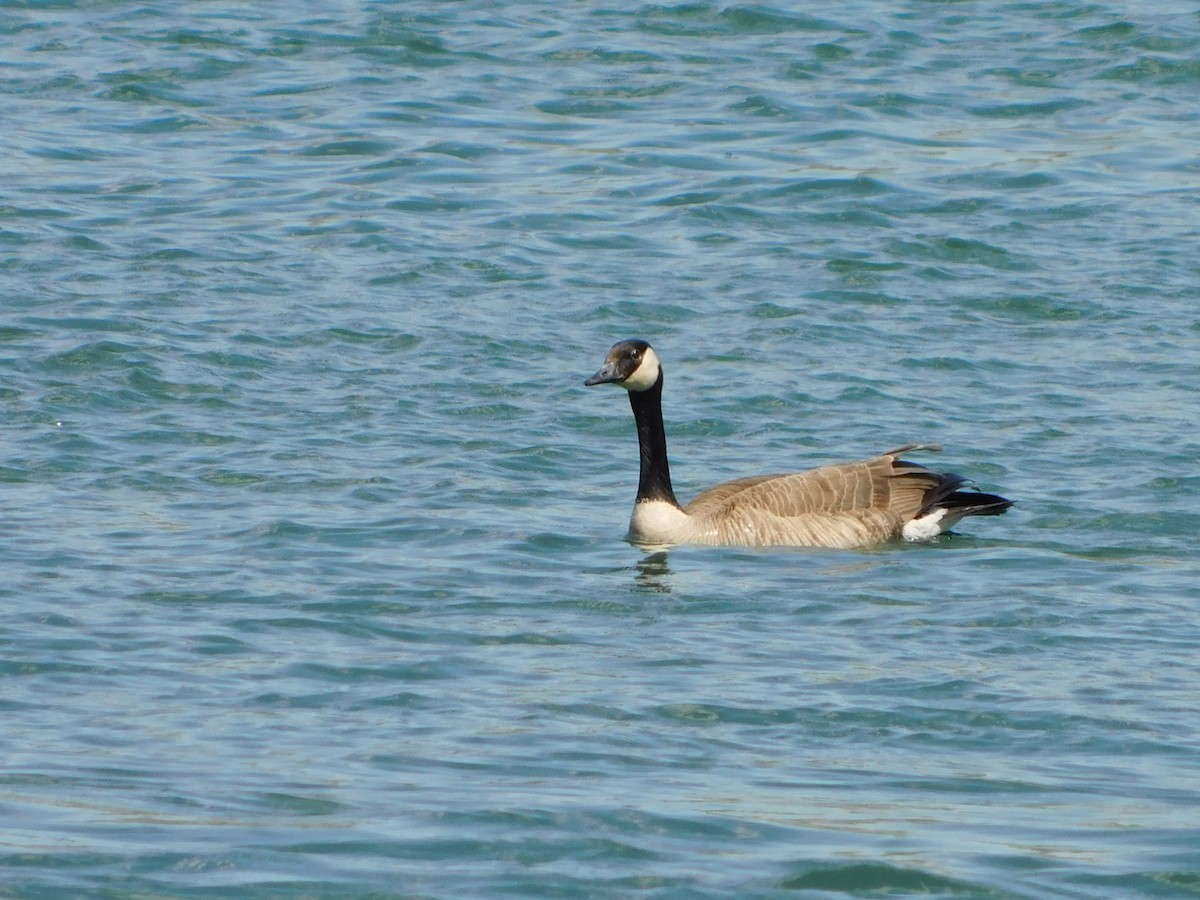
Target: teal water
313, 580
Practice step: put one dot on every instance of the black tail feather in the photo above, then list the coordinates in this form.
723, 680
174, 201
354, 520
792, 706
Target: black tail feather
946, 493
977, 503
948, 484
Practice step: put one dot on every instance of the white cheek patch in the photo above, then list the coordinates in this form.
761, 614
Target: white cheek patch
645, 375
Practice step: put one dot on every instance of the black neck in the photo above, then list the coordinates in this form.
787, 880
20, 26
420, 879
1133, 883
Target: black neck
654, 483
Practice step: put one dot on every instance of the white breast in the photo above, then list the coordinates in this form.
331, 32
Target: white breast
657, 522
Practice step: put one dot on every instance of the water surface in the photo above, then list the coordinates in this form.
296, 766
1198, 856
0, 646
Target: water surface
314, 580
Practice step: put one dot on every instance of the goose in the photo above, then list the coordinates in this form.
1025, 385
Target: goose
846, 506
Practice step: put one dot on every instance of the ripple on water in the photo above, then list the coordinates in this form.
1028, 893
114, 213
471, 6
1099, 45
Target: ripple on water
314, 579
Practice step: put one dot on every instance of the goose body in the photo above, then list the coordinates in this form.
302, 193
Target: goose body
849, 505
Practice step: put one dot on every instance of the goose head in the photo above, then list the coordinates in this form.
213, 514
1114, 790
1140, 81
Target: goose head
632, 365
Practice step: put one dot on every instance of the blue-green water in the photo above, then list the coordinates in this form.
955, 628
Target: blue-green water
312, 580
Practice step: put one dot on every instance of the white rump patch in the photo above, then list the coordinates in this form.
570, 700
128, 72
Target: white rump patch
926, 527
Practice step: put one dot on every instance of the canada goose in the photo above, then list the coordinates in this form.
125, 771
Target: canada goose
849, 505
